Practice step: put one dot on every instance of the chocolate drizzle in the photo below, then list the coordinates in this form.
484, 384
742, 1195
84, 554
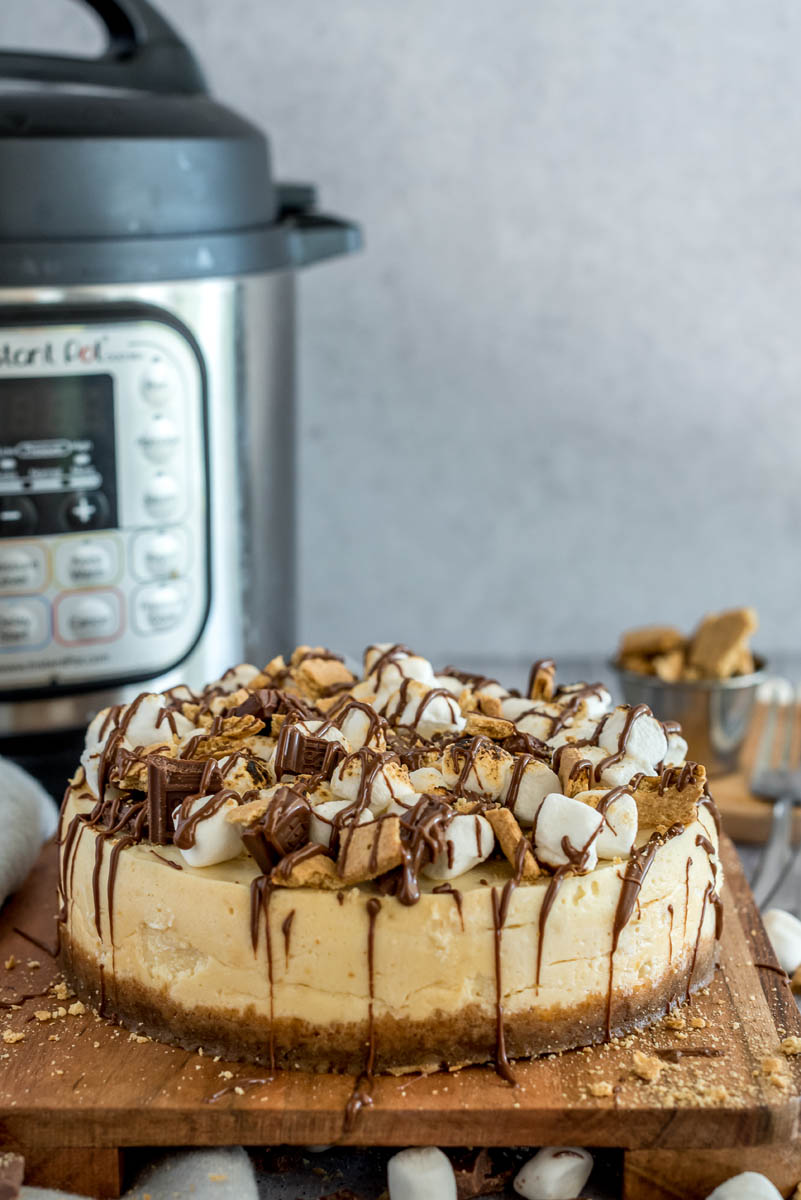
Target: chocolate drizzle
286, 929
634, 876
552, 891
361, 1096
261, 892
500, 911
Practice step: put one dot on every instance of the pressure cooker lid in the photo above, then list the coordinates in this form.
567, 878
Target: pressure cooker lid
128, 144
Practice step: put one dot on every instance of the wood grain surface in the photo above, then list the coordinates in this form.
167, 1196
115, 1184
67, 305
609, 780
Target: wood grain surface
746, 817
80, 1082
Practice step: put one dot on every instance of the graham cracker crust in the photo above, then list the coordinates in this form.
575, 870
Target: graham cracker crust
446, 1040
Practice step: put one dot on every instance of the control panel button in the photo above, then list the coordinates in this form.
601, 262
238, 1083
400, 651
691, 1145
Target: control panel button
23, 623
86, 562
158, 607
160, 439
161, 554
22, 568
162, 496
17, 516
159, 383
88, 618
85, 510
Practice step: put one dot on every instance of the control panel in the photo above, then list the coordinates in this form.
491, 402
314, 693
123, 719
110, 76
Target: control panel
103, 502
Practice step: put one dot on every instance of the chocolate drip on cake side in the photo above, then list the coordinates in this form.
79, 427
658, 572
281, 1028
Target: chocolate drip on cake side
500, 910
261, 892
361, 1096
633, 878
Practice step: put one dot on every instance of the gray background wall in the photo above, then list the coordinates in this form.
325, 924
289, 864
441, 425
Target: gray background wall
559, 393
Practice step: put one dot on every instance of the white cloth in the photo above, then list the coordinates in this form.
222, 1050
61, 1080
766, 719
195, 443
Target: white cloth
224, 1174
27, 818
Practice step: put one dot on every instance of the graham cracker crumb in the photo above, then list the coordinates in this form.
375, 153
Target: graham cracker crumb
77, 1009
698, 1022
42, 1014
791, 1045
601, 1089
674, 1021
10, 963
647, 1067
11, 1038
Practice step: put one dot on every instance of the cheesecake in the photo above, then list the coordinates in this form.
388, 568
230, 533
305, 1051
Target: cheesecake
386, 869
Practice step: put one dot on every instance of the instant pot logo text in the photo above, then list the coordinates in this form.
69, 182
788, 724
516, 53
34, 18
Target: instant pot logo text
73, 350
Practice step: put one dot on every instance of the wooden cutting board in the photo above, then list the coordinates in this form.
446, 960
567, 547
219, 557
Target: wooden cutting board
746, 818
75, 1091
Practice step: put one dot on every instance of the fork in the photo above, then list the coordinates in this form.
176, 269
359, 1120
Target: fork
780, 784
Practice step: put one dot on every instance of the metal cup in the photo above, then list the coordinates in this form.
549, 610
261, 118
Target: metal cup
714, 714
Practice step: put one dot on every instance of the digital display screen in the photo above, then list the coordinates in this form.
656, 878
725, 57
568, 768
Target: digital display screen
57, 454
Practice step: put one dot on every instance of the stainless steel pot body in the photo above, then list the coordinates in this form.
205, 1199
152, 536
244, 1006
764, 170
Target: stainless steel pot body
234, 339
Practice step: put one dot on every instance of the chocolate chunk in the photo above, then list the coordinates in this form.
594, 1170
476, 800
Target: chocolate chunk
300, 753
283, 829
265, 703
171, 780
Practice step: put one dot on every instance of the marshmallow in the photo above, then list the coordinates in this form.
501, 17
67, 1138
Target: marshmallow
676, 751
140, 730
489, 771
537, 725
439, 714
321, 826
598, 701
748, 1186
554, 1173
356, 726
378, 650
390, 675
421, 1174
577, 728
617, 774
427, 779
513, 707
234, 678
215, 839
646, 742
619, 830
536, 781
784, 931
450, 683
390, 782
495, 690
563, 817
469, 840
330, 734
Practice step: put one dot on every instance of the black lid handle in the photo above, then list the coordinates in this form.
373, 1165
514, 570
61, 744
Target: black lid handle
144, 53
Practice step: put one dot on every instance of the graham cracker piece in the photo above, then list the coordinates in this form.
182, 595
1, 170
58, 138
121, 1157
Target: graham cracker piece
669, 666
479, 725
367, 851
230, 730
490, 706
317, 871
650, 640
575, 771
718, 643
673, 803
640, 664
510, 835
248, 814
315, 669
542, 682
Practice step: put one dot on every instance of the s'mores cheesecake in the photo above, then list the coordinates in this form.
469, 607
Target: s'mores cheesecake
400, 871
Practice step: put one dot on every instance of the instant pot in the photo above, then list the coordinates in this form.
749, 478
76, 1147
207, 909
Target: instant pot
147, 264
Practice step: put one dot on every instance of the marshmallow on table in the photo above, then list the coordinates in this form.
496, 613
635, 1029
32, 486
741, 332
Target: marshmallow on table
554, 1173
536, 781
748, 1186
323, 817
563, 817
469, 840
215, 839
646, 742
421, 1174
619, 830
784, 931
390, 782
